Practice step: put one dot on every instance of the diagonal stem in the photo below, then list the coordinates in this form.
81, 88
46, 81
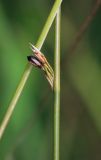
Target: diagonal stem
28, 69
84, 26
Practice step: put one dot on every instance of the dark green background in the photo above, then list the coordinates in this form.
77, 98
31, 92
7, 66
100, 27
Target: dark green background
29, 134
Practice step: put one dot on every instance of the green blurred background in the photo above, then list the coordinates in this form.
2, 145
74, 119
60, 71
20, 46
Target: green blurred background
29, 134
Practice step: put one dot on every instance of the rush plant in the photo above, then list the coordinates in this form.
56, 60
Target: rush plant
53, 77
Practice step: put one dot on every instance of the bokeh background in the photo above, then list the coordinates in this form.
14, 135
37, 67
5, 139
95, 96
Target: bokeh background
29, 134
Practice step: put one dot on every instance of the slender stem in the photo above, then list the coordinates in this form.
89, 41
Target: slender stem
48, 23
28, 68
57, 88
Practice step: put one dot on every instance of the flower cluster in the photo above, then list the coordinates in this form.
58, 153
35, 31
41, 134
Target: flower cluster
39, 60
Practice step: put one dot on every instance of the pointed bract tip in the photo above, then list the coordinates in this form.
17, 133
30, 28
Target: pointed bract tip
33, 48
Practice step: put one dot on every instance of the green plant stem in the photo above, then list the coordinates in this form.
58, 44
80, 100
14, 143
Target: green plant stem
48, 23
28, 69
57, 87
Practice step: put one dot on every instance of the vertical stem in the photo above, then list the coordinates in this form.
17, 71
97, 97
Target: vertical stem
57, 87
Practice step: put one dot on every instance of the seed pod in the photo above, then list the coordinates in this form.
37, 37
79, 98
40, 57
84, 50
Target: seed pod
35, 61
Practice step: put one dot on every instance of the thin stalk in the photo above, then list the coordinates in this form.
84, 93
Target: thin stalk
57, 87
48, 23
28, 69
